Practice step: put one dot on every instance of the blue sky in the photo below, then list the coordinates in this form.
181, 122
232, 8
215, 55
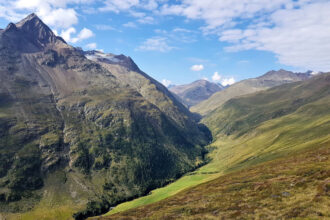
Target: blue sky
181, 41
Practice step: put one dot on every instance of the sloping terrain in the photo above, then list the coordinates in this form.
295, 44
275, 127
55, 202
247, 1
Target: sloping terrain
250, 130
294, 187
195, 92
74, 138
248, 86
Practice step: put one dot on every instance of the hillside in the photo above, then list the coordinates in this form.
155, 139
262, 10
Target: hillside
250, 130
248, 86
77, 139
295, 187
195, 92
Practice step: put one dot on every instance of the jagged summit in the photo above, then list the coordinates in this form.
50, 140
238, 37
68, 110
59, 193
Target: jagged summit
30, 18
29, 35
36, 29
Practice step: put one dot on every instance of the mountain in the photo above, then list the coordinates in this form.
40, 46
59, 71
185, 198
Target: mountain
195, 92
124, 69
78, 136
248, 86
271, 152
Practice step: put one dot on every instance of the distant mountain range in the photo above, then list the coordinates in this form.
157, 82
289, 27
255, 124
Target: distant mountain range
248, 86
195, 92
82, 131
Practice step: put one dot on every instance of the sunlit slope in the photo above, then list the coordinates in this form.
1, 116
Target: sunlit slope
248, 86
294, 187
240, 115
244, 139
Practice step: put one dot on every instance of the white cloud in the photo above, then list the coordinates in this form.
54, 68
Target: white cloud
91, 46
166, 82
85, 34
197, 67
126, 5
118, 5
219, 13
82, 35
296, 31
66, 34
228, 81
59, 14
62, 18
216, 77
182, 30
104, 27
130, 25
146, 20
156, 44
205, 78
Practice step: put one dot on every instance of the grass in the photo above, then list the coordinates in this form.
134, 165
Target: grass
295, 186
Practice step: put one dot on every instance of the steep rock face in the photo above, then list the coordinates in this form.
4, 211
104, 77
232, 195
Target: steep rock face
195, 92
248, 86
70, 129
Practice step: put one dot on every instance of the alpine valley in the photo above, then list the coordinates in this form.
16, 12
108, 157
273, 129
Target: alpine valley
87, 134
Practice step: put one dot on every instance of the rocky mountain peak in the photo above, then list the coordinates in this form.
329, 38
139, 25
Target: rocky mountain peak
28, 35
36, 30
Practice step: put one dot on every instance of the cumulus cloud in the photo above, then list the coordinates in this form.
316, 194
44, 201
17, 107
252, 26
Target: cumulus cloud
166, 82
296, 31
155, 44
85, 34
197, 67
228, 81
82, 35
216, 77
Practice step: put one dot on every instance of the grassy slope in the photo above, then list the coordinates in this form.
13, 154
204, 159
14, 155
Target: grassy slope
306, 127
217, 99
296, 186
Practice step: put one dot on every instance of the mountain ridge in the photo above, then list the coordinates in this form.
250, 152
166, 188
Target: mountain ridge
68, 122
248, 86
195, 92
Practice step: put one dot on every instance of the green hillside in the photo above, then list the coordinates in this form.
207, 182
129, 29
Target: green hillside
258, 128
248, 86
294, 187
